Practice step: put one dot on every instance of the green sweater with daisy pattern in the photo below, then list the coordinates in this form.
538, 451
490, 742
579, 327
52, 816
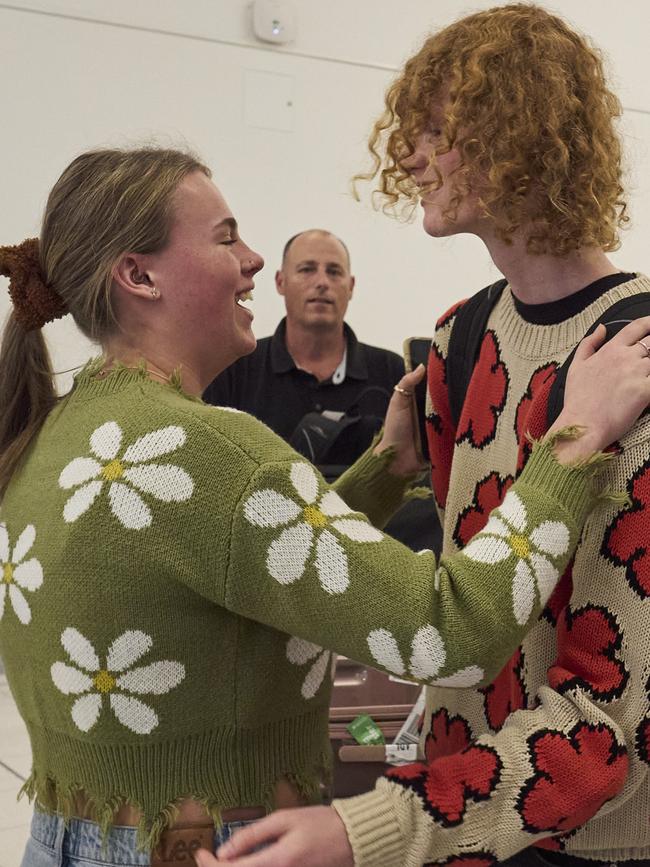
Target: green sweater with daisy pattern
174, 578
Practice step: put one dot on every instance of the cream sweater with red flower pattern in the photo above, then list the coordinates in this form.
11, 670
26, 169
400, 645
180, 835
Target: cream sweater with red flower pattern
555, 751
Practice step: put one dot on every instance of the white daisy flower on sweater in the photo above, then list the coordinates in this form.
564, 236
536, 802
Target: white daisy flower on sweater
428, 657
115, 680
18, 574
300, 652
124, 476
508, 534
307, 525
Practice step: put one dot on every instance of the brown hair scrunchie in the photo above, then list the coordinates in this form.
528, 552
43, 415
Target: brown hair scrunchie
35, 303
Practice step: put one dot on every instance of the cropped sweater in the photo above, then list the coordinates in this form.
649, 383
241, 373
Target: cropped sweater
555, 752
174, 576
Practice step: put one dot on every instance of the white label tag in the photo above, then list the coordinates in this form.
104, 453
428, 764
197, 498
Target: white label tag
399, 753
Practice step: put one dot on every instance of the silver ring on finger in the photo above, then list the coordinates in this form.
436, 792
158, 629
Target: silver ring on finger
645, 346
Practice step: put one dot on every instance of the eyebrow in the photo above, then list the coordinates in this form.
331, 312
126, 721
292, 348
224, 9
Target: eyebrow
229, 222
314, 262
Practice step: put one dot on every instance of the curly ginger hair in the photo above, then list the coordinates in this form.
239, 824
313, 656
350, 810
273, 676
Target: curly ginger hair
525, 102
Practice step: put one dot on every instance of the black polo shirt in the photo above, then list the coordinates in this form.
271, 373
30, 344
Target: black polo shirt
268, 385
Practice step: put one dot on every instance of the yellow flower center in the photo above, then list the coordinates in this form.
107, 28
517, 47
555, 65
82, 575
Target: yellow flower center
104, 682
314, 516
112, 471
8, 573
520, 545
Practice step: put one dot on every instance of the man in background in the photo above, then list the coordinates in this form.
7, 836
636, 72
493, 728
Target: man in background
313, 382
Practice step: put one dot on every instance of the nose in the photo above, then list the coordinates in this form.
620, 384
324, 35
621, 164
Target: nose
252, 262
416, 162
322, 279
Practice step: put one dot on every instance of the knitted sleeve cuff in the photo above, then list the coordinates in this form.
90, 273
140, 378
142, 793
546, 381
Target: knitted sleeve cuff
368, 486
373, 829
570, 485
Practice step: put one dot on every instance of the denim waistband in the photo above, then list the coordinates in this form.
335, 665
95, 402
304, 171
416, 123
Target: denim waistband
82, 839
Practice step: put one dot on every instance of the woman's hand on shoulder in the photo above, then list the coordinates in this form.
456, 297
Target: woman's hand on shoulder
607, 388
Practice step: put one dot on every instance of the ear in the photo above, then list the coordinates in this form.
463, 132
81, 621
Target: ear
352, 282
279, 282
131, 275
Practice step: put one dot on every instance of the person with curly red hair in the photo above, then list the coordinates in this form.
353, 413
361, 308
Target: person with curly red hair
502, 125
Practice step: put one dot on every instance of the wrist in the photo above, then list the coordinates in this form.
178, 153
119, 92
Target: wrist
397, 466
573, 451
405, 471
571, 441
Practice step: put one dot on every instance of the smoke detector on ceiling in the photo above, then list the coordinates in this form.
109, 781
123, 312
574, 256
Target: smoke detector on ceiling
274, 21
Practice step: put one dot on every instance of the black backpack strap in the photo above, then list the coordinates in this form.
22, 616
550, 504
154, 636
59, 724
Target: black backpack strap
465, 342
614, 318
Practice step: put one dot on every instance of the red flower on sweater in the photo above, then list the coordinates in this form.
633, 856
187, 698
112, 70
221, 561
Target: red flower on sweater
440, 431
589, 639
448, 783
627, 540
559, 598
447, 735
530, 417
506, 693
488, 494
486, 396
575, 774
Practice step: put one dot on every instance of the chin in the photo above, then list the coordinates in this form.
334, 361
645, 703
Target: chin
244, 345
437, 226
323, 321
248, 345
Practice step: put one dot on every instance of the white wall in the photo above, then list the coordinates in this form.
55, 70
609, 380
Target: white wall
81, 73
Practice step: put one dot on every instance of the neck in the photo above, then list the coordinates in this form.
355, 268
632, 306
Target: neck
316, 349
158, 365
539, 279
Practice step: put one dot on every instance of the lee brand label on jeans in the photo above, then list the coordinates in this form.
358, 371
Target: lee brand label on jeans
178, 846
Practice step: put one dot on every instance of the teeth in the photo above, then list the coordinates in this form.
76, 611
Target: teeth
245, 296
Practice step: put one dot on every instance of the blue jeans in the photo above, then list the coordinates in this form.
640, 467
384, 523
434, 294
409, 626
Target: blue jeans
80, 844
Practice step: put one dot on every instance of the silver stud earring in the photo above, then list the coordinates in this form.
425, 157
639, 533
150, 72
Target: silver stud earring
154, 292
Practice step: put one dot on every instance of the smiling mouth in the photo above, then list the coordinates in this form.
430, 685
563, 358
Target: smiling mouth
244, 296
